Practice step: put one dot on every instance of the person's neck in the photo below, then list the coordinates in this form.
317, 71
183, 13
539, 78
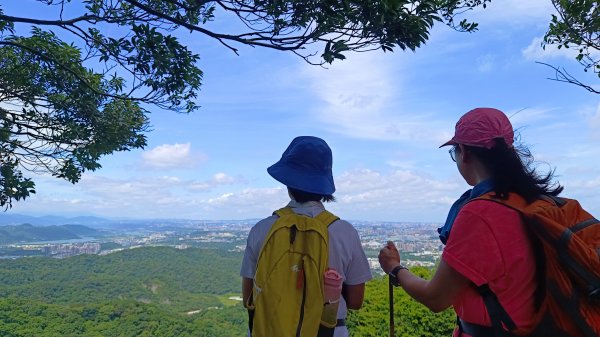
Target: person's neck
479, 174
479, 179
304, 204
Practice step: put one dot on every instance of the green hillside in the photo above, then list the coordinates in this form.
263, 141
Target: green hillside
181, 280
27, 318
164, 292
411, 318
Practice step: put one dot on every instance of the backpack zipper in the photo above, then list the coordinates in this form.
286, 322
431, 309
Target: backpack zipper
299, 328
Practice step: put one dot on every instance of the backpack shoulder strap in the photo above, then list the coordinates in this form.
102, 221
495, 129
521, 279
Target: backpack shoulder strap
324, 217
502, 323
513, 201
498, 315
327, 217
288, 218
519, 204
281, 213
284, 211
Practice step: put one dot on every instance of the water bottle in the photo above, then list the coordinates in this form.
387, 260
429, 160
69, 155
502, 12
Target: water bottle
332, 291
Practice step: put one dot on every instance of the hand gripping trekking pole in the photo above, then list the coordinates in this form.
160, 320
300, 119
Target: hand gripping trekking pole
391, 293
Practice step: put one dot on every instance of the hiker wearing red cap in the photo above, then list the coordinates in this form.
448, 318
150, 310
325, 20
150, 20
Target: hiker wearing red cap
488, 254
303, 267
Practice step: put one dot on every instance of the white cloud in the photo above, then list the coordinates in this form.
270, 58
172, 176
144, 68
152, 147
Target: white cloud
353, 93
535, 51
169, 156
158, 196
486, 63
522, 117
590, 185
510, 12
223, 178
360, 98
409, 195
249, 198
370, 182
594, 119
396, 195
246, 203
585, 191
148, 188
363, 194
129, 191
218, 179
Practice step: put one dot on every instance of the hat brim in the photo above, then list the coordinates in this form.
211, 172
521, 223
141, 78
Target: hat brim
302, 180
450, 142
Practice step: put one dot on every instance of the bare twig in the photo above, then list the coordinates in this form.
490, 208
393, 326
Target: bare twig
561, 75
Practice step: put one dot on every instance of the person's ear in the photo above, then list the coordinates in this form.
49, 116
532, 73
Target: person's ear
463, 155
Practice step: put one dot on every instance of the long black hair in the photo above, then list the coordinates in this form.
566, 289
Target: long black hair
301, 196
512, 171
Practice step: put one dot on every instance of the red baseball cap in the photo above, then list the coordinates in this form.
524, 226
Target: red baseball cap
479, 127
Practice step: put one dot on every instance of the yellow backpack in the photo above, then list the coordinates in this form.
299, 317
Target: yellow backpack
287, 297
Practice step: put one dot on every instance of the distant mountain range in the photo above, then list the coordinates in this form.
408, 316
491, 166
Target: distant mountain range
29, 233
7, 219
13, 219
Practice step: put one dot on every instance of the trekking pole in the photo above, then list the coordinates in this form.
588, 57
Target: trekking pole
391, 293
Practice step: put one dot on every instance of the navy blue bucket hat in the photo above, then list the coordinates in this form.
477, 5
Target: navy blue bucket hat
306, 166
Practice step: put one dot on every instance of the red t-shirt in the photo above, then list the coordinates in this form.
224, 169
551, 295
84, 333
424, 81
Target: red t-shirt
488, 244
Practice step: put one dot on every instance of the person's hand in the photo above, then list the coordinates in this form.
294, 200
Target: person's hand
389, 257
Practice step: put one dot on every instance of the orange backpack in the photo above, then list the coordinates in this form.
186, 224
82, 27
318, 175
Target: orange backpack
570, 240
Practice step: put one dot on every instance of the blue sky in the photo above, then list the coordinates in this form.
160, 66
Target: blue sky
383, 114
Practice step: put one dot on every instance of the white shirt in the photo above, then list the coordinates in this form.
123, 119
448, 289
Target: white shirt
345, 251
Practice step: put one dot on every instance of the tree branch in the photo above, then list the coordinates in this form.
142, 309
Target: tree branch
561, 75
219, 37
86, 17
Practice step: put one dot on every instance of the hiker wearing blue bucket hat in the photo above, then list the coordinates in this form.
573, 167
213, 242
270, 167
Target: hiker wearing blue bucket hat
306, 166
296, 258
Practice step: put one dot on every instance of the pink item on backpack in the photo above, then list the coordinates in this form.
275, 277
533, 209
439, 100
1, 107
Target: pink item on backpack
332, 290
332, 285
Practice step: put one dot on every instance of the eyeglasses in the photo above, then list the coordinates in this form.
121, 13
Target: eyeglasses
452, 152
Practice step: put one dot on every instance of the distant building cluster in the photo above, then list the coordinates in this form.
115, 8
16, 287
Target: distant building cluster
71, 249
